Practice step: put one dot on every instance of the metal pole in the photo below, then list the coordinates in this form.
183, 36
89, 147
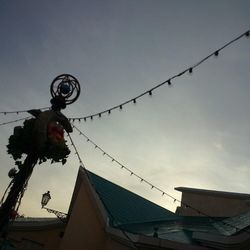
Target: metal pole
65, 89
19, 182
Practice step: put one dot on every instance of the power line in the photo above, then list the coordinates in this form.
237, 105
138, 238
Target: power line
142, 180
168, 82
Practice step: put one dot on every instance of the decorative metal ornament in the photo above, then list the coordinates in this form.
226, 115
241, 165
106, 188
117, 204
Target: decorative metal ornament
40, 138
65, 87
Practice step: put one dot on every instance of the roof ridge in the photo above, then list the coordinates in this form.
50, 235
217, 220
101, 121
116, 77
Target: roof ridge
124, 206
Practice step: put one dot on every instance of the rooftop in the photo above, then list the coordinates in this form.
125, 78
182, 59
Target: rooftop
213, 193
125, 207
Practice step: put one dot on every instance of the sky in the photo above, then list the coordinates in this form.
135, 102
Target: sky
193, 134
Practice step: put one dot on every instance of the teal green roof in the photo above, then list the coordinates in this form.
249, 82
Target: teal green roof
125, 207
132, 213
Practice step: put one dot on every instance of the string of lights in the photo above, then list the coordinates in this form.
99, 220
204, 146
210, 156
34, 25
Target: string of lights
17, 112
168, 82
13, 121
76, 151
143, 180
122, 166
82, 165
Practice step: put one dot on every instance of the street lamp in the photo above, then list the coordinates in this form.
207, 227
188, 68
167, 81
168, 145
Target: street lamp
41, 138
44, 201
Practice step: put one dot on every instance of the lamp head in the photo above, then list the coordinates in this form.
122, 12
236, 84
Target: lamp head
45, 199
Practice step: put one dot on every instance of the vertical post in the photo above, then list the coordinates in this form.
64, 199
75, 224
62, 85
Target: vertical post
65, 89
18, 185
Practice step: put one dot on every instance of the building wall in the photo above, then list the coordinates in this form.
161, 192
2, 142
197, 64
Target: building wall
112, 244
86, 225
46, 239
84, 229
212, 205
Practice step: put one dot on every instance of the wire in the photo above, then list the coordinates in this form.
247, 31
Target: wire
76, 152
132, 173
168, 81
21, 119
152, 186
81, 164
19, 111
149, 92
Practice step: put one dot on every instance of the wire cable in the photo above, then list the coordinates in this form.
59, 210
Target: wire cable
21, 119
87, 174
19, 111
168, 81
152, 186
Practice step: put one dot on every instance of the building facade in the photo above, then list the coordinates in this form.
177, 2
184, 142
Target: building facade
105, 216
212, 203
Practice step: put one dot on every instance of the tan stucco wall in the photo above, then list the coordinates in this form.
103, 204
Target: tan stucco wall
50, 238
212, 205
86, 225
84, 229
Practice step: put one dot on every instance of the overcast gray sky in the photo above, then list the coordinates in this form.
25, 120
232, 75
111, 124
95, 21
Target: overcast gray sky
194, 134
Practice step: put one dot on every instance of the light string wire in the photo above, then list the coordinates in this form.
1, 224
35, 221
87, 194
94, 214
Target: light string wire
76, 151
17, 112
168, 81
17, 120
152, 186
87, 174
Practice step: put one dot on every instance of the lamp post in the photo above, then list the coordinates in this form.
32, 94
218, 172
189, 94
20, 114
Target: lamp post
41, 138
45, 199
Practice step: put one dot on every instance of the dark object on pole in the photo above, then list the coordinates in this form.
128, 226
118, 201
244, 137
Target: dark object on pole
43, 141
45, 199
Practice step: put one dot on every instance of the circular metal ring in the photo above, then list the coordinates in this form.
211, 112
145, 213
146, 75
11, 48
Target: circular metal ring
67, 87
